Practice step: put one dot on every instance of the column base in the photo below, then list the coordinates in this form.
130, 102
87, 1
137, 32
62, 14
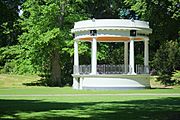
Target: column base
93, 73
112, 82
132, 73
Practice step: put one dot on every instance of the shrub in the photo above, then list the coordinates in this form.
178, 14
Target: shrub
166, 61
176, 77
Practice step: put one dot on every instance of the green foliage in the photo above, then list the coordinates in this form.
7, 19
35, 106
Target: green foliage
46, 38
46, 45
9, 31
174, 9
15, 61
102, 10
42, 35
9, 28
167, 60
176, 77
165, 79
160, 14
103, 50
165, 25
114, 53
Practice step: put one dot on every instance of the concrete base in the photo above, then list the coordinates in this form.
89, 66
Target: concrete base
110, 82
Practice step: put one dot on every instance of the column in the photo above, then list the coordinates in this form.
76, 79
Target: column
75, 83
131, 57
126, 56
93, 56
76, 57
146, 55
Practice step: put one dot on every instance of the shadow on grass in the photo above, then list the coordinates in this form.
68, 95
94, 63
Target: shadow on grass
161, 88
154, 109
41, 82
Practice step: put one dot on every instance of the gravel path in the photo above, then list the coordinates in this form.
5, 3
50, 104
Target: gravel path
73, 95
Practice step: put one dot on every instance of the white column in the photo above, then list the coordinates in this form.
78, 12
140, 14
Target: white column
126, 56
75, 83
131, 57
81, 83
76, 58
93, 56
146, 54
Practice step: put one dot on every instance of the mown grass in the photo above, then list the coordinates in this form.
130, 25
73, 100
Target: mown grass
90, 107
69, 90
16, 81
15, 84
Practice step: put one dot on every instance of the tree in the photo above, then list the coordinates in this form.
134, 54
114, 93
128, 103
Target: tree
46, 25
166, 61
176, 77
9, 29
8, 25
163, 17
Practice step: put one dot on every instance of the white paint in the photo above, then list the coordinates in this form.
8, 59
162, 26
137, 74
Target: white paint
112, 24
75, 83
94, 56
146, 53
110, 82
126, 56
131, 58
76, 57
111, 28
81, 83
113, 81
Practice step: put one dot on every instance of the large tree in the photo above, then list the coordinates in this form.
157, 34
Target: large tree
46, 26
163, 16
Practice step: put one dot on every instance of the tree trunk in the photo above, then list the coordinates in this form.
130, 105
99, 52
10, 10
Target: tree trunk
55, 69
55, 58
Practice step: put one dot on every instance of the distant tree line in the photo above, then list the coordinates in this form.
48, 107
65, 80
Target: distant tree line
39, 41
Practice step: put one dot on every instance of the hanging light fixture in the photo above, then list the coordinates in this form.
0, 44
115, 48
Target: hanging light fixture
133, 33
93, 32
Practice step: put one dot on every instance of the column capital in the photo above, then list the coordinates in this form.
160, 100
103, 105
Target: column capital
146, 39
94, 37
131, 38
76, 39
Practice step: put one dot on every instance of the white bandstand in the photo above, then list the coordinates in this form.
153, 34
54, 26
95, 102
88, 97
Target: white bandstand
126, 76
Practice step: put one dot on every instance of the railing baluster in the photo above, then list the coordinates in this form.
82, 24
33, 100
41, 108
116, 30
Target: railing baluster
110, 69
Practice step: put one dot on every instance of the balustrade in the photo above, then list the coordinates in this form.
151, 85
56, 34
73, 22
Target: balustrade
111, 69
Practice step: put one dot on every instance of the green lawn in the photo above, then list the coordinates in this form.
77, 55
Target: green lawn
90, 107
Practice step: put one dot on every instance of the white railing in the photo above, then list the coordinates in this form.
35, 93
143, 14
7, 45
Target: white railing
141, 69
111, 69
84, 69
